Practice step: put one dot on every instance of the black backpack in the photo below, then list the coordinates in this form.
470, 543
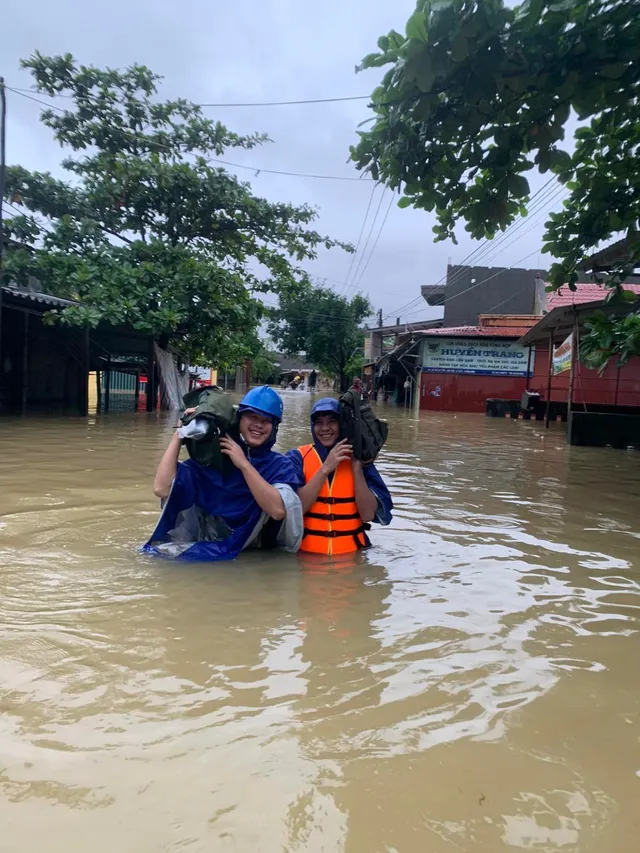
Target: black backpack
217, 408
358, 424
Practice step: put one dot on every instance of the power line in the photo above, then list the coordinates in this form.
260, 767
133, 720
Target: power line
371, 227
256, 169
332, 318
238, 104
487, 247
491, 277
364, 222
373, 248
291, 103
506, 236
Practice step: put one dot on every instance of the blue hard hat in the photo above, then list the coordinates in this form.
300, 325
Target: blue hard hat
325, 406
264, 401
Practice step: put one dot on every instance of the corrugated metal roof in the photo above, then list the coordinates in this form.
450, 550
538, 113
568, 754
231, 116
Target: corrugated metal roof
560, 322
477, 332
585, 292
42, 298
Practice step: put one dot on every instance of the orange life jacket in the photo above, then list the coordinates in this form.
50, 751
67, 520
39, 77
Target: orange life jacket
333, 524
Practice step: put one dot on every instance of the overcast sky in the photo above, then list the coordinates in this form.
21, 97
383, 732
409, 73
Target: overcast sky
256, 51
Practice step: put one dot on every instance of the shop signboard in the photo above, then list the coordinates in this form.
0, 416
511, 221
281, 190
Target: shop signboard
474, 356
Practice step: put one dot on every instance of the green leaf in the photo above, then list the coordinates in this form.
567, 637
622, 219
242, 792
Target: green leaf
425, 75
416, 26
395, 40
459, 48
613, 71
518, 186
559, 160
405, 202
528, 13
372, 60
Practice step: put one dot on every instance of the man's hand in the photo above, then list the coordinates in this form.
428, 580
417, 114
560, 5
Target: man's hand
235, 453
337, 455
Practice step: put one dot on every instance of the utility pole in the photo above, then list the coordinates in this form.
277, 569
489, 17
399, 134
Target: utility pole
380, 318
3, 137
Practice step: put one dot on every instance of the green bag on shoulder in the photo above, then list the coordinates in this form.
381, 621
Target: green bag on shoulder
218, 410
358, 424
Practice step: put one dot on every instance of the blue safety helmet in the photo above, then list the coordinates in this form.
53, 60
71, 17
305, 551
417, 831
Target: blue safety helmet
325, 406
263, 401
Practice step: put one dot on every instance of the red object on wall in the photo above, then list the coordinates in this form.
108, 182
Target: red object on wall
458, 392
613, 388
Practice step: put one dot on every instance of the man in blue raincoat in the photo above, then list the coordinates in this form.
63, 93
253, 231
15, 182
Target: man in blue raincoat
211, 516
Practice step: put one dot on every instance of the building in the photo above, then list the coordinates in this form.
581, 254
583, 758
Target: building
41, 366
287, 367
601, 408
48, 367
469, 292
383, 339
461, 368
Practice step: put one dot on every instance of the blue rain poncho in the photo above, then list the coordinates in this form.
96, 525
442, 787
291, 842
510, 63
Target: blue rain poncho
210, 516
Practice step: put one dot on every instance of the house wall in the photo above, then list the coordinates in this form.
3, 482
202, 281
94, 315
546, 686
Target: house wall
53, 374
615, 387
488, 291
463, 393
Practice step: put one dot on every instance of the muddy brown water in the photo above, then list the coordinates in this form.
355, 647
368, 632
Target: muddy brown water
472, 683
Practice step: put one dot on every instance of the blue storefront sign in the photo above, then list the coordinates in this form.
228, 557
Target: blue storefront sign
474, 356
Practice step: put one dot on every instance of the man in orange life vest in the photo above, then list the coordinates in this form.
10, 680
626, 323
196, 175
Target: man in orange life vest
340, 495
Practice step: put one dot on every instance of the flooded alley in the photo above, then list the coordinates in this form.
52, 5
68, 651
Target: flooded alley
469, 684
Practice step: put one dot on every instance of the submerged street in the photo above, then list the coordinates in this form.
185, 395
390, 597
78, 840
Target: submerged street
470, 683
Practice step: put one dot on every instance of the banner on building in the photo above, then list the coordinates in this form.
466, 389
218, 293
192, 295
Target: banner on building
562, 356
477, 356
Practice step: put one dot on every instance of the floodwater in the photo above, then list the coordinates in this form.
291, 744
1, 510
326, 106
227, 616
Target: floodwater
472, 683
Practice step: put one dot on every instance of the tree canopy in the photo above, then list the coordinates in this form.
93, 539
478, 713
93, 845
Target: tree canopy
479, 94
148, 230
324, 324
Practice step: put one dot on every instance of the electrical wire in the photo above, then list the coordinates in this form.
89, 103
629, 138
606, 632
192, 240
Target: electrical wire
506, 237
502, 242
480, 251
332, 318
259, 169
373, 225
256, 169
373, 248
491, 277
364, 222
243, 104
486, 245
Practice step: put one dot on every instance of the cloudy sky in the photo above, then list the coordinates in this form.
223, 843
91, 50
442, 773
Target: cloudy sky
261, 50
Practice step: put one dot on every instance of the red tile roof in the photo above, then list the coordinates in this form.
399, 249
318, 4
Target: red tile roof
585, 292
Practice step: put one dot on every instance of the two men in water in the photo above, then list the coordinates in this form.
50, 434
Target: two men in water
208, 516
